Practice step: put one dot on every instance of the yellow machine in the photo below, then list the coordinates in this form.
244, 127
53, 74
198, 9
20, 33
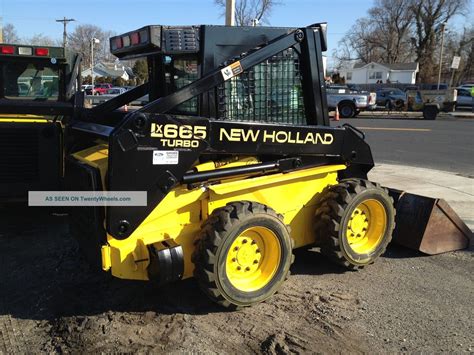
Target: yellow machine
238, 161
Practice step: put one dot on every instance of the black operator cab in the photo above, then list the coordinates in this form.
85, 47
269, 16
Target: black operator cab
270, 91
37, 88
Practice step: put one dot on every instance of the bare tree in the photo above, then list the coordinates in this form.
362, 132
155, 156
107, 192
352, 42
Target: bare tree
361, 42
80, 41
9, 34
429, 15
459, 44
390, 25
41, 40
247, 12
383, 36
401, 31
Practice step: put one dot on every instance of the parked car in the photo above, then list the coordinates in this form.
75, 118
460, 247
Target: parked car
464, 98
411, 87
99, 89
348, 101
116, 91
442, 86
86, 87
466, 86
391, 97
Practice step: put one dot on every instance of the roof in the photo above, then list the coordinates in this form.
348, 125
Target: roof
394, 66
113, 70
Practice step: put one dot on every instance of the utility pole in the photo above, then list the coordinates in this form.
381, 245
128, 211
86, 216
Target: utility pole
65, 22
1, 29
443, 26
230, 13
93, 41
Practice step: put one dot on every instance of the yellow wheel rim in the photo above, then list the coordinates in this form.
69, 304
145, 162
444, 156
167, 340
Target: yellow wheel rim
366, 227
253, 259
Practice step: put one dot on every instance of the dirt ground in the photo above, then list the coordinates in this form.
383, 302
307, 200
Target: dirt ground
50, 301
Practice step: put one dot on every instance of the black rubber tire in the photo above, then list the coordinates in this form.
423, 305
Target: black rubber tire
399, 104
430, 113
214, 241
449, 107
334, 208
347, 110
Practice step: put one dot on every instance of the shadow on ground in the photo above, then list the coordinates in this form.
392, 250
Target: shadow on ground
45, 277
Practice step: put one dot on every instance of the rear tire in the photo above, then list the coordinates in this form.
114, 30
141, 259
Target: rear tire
347, 110
354, 221
243, 254
430, 112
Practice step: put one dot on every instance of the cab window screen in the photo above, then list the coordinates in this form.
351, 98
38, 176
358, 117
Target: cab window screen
29, 81
179, 73
268, 92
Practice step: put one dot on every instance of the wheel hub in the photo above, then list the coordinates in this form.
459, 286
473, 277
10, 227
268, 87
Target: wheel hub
245, 255
366, 226
253, 259
358, 223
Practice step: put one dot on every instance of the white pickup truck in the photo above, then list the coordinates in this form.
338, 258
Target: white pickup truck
349, 102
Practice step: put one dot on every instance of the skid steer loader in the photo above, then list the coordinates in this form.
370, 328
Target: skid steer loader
238, 160
37, 97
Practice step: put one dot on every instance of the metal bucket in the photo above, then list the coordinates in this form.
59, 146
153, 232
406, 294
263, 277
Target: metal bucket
428, 224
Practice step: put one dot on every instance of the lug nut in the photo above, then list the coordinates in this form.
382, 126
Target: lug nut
247, 269
238, 268
255, 261
257, 251
234, 260
253, 242
244, 241
236, 248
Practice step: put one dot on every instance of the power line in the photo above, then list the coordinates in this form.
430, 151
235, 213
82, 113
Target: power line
65, 22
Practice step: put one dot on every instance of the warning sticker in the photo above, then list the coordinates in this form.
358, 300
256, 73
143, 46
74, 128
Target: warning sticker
165, 157
231, 70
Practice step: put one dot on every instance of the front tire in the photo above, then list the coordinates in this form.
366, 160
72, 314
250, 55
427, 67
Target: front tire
354, 220
243, 254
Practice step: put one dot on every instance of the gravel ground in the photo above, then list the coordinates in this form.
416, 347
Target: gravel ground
52, 302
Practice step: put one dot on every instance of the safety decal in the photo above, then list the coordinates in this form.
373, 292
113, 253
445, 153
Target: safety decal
165, 157
231, 70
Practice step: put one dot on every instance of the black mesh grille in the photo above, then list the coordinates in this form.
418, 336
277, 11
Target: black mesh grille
19, 155
268, 92
182, 72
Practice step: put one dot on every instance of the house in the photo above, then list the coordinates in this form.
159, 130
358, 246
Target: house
371, 73
112, 70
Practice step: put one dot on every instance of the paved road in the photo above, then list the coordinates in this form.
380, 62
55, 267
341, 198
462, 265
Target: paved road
443, 144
